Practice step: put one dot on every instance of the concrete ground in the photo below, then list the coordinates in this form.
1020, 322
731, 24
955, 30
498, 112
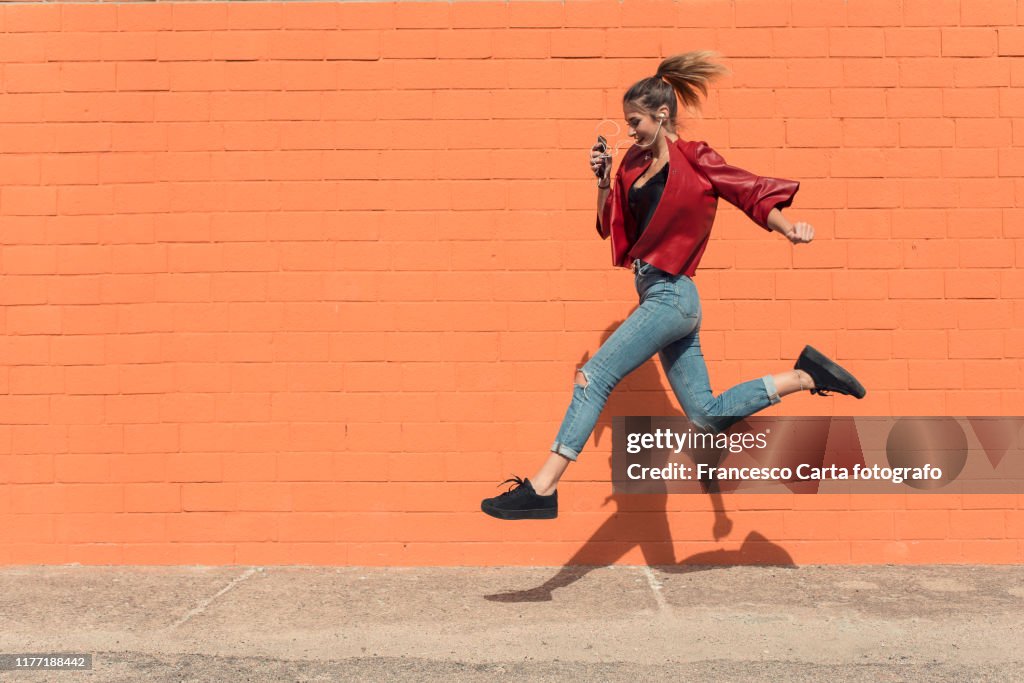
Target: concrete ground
619, 623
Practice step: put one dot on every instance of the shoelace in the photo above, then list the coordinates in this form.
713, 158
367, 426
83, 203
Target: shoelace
512, 489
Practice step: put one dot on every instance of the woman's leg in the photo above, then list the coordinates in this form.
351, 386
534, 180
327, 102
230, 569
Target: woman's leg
687, 373
545, 481
655, 322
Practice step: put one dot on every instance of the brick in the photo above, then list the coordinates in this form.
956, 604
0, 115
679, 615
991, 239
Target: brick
856, 42
873, 315
858, 102
922, 224
981, 72
493, 15
975, 344
1010, 41
745, 42
931, 254
868, 253
931, 12
804, 284
578, 43
912, 42
922, 524
925, 72
982, 163
422, 15
969, 42
991, 374
991, 552
864, 344
929, 193
977, 524
938, 374
926, 315
819, 12
916, 284
975, 284
853, 285
870, 132
762, 12
867, 525
920, 344
988, 253
538, 14
987, 12
910, 102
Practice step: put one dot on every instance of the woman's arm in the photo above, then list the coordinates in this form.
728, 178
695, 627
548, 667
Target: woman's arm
796, 233
757, 196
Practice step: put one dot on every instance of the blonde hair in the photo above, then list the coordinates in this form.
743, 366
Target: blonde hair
684, 76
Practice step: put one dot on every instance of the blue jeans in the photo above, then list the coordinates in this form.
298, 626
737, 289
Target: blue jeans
666, 322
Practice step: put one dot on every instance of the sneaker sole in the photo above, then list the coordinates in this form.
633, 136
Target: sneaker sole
519, 514
824, 362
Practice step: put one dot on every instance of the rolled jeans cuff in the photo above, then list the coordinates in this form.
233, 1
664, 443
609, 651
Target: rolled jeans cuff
564, 451
773, 392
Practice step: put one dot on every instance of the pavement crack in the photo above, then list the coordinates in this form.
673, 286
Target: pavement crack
201, 607
655, 585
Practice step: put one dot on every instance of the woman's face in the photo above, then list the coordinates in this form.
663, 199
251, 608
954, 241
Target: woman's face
642, 126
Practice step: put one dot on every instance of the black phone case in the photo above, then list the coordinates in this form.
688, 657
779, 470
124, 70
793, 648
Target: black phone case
599, 172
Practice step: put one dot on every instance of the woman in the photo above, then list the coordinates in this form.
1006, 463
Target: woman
659, 213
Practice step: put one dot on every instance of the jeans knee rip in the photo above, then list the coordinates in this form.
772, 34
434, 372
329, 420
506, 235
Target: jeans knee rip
585, 382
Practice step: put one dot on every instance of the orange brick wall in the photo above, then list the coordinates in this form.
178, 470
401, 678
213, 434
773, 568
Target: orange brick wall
299, 283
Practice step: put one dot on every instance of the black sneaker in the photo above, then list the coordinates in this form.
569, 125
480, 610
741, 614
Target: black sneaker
521, 502
827, 374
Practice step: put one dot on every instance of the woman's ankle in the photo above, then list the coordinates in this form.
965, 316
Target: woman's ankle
543, 488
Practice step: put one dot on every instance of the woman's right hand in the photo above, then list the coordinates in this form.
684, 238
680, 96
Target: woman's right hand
600, 163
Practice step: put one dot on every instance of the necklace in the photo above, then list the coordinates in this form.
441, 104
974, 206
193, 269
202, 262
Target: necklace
647, 154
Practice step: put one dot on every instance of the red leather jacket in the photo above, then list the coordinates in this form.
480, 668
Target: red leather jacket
677, 234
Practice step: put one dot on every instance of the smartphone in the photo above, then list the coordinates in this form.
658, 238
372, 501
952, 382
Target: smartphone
605, 157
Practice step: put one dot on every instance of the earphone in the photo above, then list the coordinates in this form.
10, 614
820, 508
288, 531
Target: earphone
661, 119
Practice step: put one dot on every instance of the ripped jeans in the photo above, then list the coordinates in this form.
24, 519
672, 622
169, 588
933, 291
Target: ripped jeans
666, 322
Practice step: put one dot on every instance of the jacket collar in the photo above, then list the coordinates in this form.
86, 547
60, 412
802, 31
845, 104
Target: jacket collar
634, 166
635, 155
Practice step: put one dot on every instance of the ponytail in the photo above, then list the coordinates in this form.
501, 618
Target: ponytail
684, 76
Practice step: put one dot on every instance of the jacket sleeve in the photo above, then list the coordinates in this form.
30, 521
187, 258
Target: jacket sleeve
611, 205
752, 194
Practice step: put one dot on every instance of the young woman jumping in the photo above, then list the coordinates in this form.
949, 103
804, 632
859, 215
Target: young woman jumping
659, 212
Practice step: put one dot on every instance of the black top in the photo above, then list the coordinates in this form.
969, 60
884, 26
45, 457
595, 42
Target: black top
644, 200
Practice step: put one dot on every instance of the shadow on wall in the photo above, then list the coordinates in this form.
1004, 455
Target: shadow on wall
641, 520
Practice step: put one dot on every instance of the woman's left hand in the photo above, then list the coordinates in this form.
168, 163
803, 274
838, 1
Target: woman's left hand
800, 232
